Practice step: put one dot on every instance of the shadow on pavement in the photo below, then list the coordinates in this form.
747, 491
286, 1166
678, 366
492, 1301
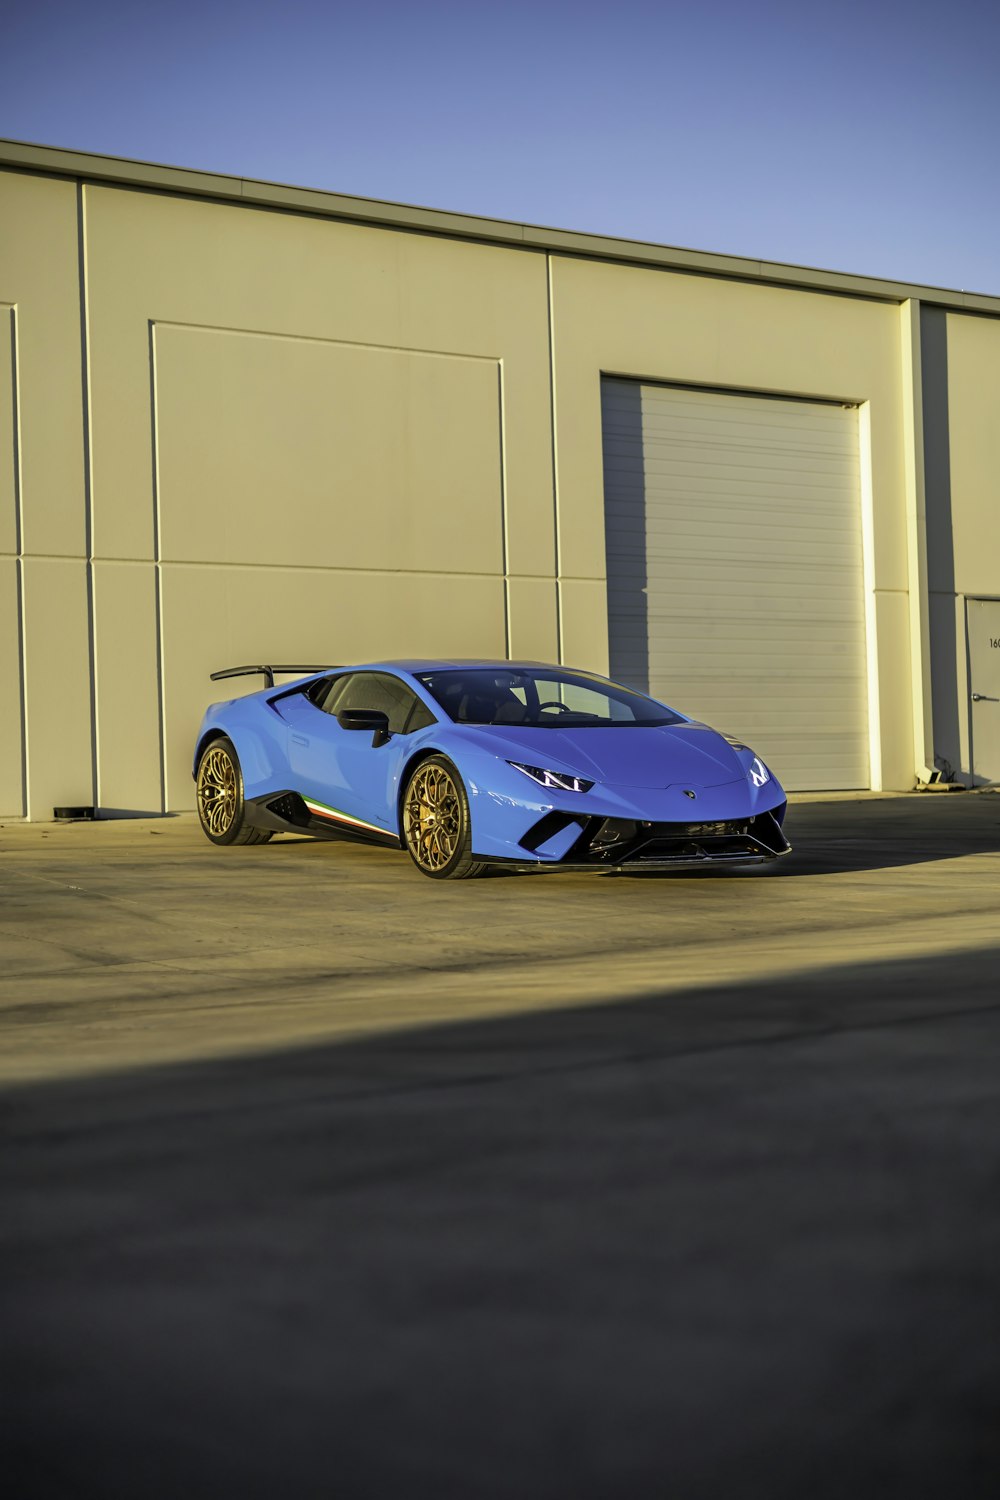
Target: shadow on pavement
837, 838
735, 1242
830, 838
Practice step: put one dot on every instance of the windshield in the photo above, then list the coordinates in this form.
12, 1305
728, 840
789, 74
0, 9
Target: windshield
543, 698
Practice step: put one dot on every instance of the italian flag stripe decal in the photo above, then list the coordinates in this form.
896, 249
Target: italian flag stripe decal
320, 810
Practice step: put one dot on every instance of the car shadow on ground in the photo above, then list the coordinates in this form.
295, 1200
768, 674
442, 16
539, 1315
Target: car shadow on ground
848, 837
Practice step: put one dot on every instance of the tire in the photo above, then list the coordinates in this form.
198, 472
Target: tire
219, 787
436, 823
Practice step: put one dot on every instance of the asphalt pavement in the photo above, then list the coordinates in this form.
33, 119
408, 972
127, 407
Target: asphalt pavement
321, 1179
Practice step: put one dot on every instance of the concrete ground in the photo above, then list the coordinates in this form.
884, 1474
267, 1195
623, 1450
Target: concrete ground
321, 1179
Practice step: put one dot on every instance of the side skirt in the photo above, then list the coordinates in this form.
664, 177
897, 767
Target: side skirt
289, 812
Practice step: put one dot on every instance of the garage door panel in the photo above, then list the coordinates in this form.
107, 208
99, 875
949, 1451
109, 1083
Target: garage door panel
724, 440
783, 506
736, 553
735, 570
688, 529
786, 491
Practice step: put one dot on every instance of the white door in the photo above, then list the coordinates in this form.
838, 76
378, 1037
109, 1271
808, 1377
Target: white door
983, 625
735, 570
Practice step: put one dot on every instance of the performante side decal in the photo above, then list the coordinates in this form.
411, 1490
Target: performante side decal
333, 815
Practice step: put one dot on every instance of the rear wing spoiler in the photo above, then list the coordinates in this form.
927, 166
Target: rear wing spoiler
267, 672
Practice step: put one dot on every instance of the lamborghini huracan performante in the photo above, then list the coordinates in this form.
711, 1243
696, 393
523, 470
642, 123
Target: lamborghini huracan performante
473, 764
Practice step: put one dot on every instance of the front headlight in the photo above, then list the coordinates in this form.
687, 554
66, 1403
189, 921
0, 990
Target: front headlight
757, 772
553, 781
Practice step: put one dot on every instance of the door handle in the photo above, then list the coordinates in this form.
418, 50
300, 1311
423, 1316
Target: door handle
299, 739
984, 698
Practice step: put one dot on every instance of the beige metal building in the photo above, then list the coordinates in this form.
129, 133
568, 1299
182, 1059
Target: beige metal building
245, 422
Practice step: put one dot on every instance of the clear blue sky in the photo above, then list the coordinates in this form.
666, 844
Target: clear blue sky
862, 136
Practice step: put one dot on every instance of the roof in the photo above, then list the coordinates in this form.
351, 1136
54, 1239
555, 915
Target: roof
87, 167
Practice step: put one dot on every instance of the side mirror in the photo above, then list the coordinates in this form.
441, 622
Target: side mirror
366, 718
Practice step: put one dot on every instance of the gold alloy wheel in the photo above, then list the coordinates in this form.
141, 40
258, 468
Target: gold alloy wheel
218, 789
432, 817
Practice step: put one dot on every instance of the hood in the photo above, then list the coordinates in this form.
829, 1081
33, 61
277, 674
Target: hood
645, 756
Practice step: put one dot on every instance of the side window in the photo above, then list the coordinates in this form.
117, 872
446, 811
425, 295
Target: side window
329, 693
378, 690
420, 717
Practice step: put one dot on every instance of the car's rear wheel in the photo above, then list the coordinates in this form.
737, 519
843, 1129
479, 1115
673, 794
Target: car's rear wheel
436, 823
221, 808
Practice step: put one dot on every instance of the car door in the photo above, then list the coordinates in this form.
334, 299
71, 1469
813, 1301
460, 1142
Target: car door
342, 770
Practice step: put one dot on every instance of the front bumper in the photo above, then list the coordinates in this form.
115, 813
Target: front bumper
630, 844
613, 827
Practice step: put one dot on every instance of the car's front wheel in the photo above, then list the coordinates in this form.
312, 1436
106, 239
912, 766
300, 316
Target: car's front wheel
219, 785
437, 827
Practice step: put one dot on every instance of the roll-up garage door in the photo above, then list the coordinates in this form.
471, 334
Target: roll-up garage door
735, 570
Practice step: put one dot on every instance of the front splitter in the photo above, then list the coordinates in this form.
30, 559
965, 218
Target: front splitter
633, 866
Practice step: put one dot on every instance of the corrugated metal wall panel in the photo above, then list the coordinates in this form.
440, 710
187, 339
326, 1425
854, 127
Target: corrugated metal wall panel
735, 569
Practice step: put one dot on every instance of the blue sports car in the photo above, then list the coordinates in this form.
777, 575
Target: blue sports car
473, 764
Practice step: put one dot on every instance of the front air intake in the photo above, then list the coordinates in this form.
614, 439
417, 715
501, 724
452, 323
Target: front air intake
546, 828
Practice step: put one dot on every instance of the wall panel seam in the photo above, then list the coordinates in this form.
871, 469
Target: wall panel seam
19, 561
15, 431
504, 518
157, 576
557, 557
282, 567
311, 338
88, 485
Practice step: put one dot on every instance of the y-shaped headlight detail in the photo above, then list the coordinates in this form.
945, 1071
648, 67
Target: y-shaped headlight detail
554, 781
758, 772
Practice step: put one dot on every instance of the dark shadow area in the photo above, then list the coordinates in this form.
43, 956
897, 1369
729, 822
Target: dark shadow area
739, 1241
948, 701
831, 838
625, 532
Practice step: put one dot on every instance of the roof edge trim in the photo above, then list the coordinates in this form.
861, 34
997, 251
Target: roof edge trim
62, 161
